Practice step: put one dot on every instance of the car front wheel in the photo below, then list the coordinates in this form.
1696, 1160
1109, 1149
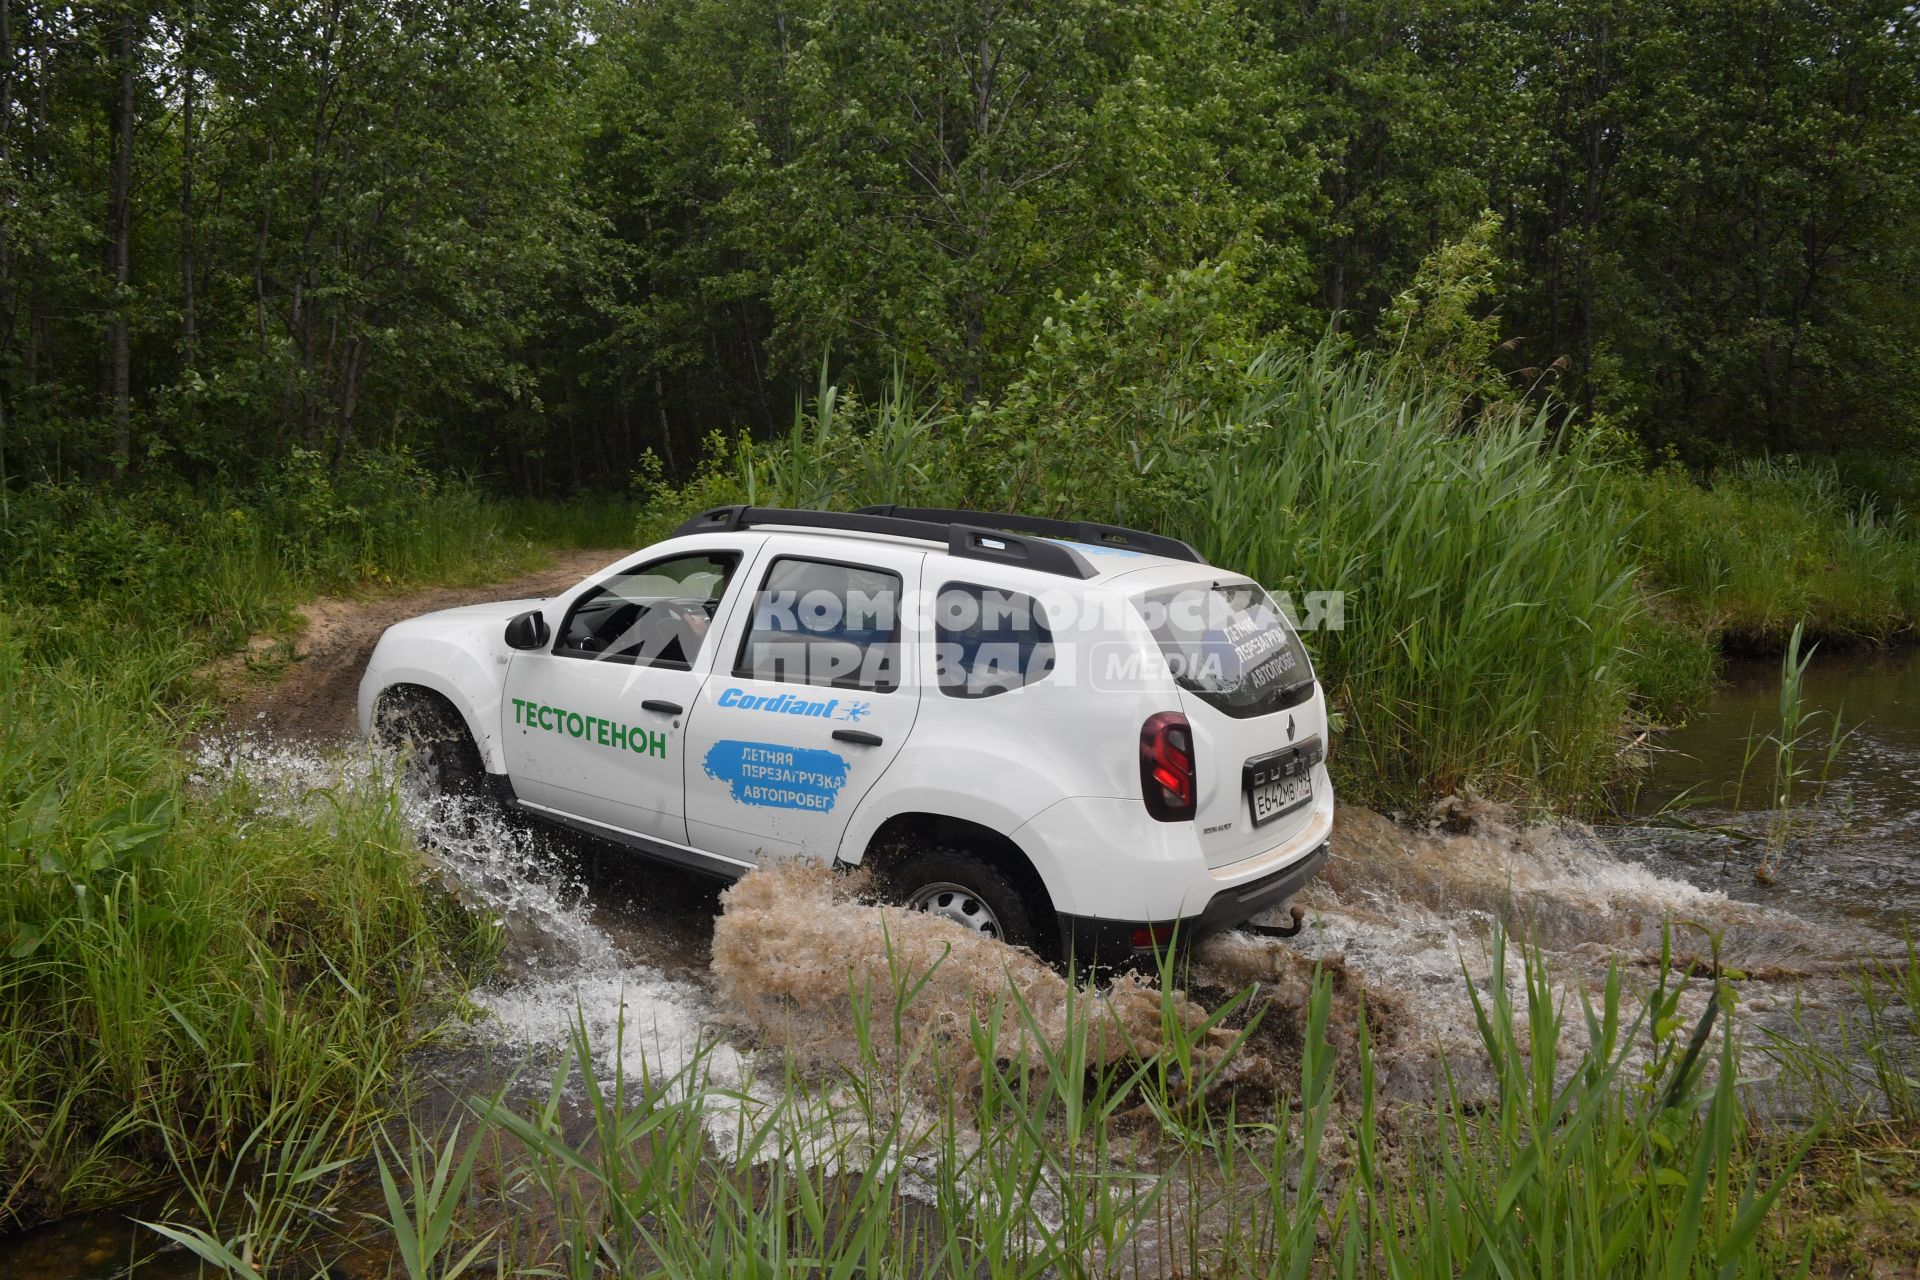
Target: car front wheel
431, 739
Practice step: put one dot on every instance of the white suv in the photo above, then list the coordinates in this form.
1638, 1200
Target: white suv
1070, 736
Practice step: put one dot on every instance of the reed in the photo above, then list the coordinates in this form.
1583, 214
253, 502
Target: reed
1799, 754
1492, 623
1623, 1150
1513, 600
1490, 601
1859, 1065
179, 957
1770, 545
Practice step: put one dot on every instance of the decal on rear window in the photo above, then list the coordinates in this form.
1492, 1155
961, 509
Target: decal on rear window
1228, 644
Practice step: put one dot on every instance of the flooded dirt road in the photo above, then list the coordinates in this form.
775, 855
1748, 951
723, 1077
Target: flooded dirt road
304, 691
626, 953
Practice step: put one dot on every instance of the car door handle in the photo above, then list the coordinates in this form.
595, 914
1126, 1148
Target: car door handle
661, 705
859, 736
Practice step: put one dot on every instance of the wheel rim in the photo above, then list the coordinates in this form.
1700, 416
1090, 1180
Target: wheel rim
957, 903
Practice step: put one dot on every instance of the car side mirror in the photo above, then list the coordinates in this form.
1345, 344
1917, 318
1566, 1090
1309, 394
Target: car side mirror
528, 631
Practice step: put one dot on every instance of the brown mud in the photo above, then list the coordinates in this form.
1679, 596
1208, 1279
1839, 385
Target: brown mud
804, 987
303, 689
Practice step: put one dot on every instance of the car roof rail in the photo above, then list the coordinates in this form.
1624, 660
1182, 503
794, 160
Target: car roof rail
1115, 536
965, 541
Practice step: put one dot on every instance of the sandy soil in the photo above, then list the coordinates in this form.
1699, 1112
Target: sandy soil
308, 694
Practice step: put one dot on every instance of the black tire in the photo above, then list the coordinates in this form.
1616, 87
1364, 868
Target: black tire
1011, 913
432, 740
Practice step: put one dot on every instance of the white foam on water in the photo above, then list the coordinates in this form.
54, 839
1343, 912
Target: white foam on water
566, 977
1411, 912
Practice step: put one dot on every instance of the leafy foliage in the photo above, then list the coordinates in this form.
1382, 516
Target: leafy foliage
538, 241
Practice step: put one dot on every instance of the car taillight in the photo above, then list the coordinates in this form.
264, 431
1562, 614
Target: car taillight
1167, 774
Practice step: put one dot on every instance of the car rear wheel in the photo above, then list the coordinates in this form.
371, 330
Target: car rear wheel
956, 886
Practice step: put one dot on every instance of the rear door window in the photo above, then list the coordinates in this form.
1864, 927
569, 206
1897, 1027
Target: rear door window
820, 622
1227, 643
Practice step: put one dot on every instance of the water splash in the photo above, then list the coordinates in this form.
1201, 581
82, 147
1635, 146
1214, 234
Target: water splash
1407, 916
1401, 915
561, 968
566, 980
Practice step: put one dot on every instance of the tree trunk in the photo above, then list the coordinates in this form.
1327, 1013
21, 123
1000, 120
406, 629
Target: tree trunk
349, 402
666, 431
120, 234
260, 262
38, 339
190, 89
9, 296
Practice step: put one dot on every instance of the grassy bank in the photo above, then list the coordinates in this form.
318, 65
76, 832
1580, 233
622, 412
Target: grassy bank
1767, 545
1512, 601
179, 961
1611, 1138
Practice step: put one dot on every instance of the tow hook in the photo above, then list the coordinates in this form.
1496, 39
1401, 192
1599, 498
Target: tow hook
1279, 930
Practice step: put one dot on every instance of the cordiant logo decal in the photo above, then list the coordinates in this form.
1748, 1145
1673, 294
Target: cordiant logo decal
574, 724
737, 699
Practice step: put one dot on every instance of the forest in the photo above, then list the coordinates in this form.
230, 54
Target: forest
1574, 344
531, 243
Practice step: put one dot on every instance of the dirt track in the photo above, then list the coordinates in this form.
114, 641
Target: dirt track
312, 698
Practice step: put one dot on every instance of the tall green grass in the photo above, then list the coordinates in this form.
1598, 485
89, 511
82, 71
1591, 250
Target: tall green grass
178, 959
1796, 759
1626, 1152
1860, 1064
1513, 600
1771, 545
1492, 621
1489, 578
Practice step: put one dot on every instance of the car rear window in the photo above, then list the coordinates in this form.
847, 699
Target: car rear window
1228, 644
987, 641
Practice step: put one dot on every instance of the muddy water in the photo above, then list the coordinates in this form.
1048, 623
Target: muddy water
629, 955
591, 943
1852, 858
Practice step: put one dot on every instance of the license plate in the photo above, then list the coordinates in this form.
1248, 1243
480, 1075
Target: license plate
1275, 797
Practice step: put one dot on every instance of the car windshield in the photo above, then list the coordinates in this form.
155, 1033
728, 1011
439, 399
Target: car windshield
1227, 643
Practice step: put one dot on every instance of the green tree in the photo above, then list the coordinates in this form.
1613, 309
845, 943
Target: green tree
1758, 286
956, 164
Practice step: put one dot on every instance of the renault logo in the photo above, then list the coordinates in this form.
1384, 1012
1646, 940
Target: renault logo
1289, 728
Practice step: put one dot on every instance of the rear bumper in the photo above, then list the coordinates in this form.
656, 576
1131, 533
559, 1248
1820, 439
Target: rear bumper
1099, 857
1098, 940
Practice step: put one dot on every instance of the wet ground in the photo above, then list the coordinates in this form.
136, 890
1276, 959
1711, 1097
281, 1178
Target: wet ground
628, 954
303, 688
